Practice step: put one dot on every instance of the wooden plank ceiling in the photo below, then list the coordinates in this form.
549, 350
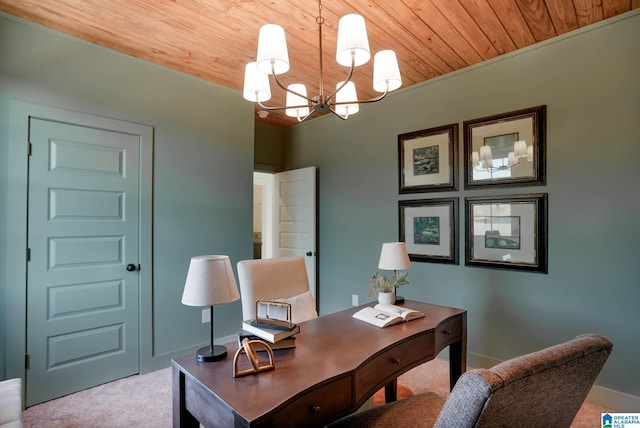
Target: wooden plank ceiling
214, 39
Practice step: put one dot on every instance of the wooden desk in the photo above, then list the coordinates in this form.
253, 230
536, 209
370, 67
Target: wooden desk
337, 364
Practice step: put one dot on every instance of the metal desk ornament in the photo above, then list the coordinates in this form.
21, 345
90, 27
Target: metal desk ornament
248, 346
274, 313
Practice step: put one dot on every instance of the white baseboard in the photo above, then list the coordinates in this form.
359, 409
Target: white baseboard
611, 399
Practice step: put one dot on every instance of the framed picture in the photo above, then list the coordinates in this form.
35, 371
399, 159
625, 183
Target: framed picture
428, 160
429, 228
506, 150
507, 232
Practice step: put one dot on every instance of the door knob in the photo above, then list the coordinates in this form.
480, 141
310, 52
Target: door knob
131, 267
309, 254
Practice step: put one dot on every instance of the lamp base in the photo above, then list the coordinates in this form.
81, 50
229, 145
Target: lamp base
207, 355
399, 300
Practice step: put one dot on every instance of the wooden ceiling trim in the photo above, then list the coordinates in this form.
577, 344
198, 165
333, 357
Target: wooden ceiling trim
444, 33
563, 19
420, 41
612, 8
213, 40
513, 21
490, 25
538, 19
467, 27
588, 11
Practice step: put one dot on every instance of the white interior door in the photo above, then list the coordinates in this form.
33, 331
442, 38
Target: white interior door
295, 219
83, 235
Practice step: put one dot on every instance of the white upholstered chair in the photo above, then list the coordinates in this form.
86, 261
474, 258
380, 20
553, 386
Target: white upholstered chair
283, 278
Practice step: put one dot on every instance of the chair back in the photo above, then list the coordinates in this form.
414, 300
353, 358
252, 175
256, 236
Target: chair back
544, 388
283, 278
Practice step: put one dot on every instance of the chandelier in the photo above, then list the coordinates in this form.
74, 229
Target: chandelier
352, 51
483, 160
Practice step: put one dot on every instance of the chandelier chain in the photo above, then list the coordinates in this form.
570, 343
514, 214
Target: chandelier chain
319, 18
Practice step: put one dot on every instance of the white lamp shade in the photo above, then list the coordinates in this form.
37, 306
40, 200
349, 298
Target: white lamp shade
347, 95
530, 153
295, 100
352, 39
512, 159
394, 256
386, 72
272, 47
210, 281
485, 153
475, 158
520, 148
256, 84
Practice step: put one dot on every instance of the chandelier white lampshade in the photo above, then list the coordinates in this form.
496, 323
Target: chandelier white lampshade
352, 41
297, 100
520, 148
272, 49
210, 282
485, 153
347, 95
394, 256
512, 159
386, 72
256, 84
352, 50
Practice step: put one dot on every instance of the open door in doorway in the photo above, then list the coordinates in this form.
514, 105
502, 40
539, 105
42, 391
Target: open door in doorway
289, 221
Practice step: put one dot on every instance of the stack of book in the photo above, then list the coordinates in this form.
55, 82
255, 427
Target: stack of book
278, 336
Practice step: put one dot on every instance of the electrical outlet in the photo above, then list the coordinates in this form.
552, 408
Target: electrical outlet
354, 300
206, 315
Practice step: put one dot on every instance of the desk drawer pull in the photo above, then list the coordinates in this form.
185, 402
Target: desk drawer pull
315, 410
447, 332
396, 361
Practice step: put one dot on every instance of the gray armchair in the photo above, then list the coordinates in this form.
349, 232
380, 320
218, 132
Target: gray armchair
544, 388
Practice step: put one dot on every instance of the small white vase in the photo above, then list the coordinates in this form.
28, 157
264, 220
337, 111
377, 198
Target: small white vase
387, 298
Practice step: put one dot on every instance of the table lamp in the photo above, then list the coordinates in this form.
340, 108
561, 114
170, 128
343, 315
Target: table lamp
210, 281
393, 257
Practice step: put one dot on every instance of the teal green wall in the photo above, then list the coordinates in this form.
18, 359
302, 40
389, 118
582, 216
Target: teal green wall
203, 167
590, 82
203, 160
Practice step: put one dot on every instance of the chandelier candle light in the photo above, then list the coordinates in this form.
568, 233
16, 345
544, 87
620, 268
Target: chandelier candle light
483, 160
352, 51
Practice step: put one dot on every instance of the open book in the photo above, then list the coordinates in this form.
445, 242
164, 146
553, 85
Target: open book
383, 315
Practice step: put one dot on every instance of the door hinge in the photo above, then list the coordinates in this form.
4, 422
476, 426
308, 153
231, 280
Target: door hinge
29, 149
28, 254
26, 361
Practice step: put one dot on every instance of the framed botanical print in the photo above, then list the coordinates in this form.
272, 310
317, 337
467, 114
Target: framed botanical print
428, 160
507, 232
429, 229
507, 149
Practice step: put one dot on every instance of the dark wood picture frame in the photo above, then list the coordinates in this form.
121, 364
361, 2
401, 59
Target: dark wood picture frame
507, 232
497, 134
428, 160
429, 229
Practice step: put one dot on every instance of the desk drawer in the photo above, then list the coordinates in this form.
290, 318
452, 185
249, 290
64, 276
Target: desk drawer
392, 363
448, 332
317, 407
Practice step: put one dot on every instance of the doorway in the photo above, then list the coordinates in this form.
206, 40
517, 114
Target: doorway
285, 218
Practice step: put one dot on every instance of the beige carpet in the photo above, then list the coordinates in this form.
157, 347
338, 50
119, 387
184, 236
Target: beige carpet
145, 401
